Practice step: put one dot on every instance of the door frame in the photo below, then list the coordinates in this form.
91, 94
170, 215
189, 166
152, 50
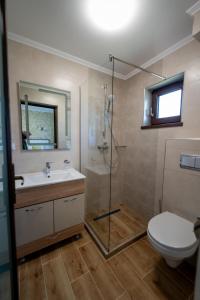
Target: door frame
9, 170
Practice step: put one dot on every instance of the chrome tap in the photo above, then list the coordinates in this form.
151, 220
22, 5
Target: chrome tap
48, 168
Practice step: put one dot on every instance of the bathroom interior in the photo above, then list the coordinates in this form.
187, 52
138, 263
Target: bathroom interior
100, 149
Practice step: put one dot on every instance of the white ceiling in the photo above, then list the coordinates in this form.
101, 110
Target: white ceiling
65, 26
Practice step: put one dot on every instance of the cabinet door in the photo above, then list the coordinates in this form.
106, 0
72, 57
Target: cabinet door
68, 212
33, 222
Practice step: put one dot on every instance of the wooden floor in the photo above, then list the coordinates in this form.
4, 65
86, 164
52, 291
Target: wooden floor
124, 225
77, 270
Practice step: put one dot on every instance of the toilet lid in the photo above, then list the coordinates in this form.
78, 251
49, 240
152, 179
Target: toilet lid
172, 231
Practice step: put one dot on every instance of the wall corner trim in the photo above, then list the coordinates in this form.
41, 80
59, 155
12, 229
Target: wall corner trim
28, 42
162, 55
194, 9
65, 55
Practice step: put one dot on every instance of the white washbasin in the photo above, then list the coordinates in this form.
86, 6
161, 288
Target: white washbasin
40, 178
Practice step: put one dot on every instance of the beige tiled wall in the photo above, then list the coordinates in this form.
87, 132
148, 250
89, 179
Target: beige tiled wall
98, 162
139, 177
32, 65
144, 157
181, 189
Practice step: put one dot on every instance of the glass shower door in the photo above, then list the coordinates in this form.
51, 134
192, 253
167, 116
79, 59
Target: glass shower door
96, 155
114, 209
8, 272
127, 222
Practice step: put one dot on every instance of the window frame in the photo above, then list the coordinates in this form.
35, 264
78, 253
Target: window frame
172, 87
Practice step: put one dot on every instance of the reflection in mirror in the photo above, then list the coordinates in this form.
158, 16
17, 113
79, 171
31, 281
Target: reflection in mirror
45, 117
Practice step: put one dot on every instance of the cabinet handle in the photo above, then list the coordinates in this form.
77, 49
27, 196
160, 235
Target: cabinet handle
70, 200
33, 209
73, 199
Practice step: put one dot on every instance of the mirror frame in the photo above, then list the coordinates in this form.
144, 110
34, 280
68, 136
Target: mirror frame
65, 93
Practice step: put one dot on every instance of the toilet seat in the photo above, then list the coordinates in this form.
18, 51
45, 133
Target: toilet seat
172, 235
172, 252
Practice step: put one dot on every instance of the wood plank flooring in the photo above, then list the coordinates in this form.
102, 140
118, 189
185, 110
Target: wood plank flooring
123, 226
77, 270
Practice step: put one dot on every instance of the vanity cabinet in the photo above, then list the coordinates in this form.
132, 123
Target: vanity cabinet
33, 222
68, 212
47, 217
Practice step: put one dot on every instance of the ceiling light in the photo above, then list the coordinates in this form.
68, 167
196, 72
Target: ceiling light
111, 15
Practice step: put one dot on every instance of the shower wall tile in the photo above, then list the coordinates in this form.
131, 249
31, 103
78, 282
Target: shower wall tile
144, 158
97, 192
181, 187
181, 194
98, 186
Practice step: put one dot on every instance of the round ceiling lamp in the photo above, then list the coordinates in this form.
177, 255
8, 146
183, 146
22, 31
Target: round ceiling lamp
111, 15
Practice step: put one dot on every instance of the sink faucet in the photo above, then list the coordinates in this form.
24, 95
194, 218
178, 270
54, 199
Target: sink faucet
48, 168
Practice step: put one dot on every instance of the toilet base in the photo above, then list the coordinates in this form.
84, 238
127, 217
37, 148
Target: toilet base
172, 263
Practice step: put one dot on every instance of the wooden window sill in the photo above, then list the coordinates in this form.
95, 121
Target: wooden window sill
177, 124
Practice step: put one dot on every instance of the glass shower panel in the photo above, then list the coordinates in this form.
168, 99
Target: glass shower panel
117, 157
130, 184
96, 153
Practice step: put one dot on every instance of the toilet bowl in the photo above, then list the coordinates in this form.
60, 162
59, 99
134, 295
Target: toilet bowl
173, 237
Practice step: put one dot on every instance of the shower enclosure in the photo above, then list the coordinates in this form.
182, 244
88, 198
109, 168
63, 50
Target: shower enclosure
115, 215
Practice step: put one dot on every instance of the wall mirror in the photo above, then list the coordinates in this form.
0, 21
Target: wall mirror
45, 115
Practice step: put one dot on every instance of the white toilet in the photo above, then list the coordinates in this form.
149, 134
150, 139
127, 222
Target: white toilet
173, 237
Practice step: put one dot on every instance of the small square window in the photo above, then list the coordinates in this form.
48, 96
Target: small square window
166, 104
169, 105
